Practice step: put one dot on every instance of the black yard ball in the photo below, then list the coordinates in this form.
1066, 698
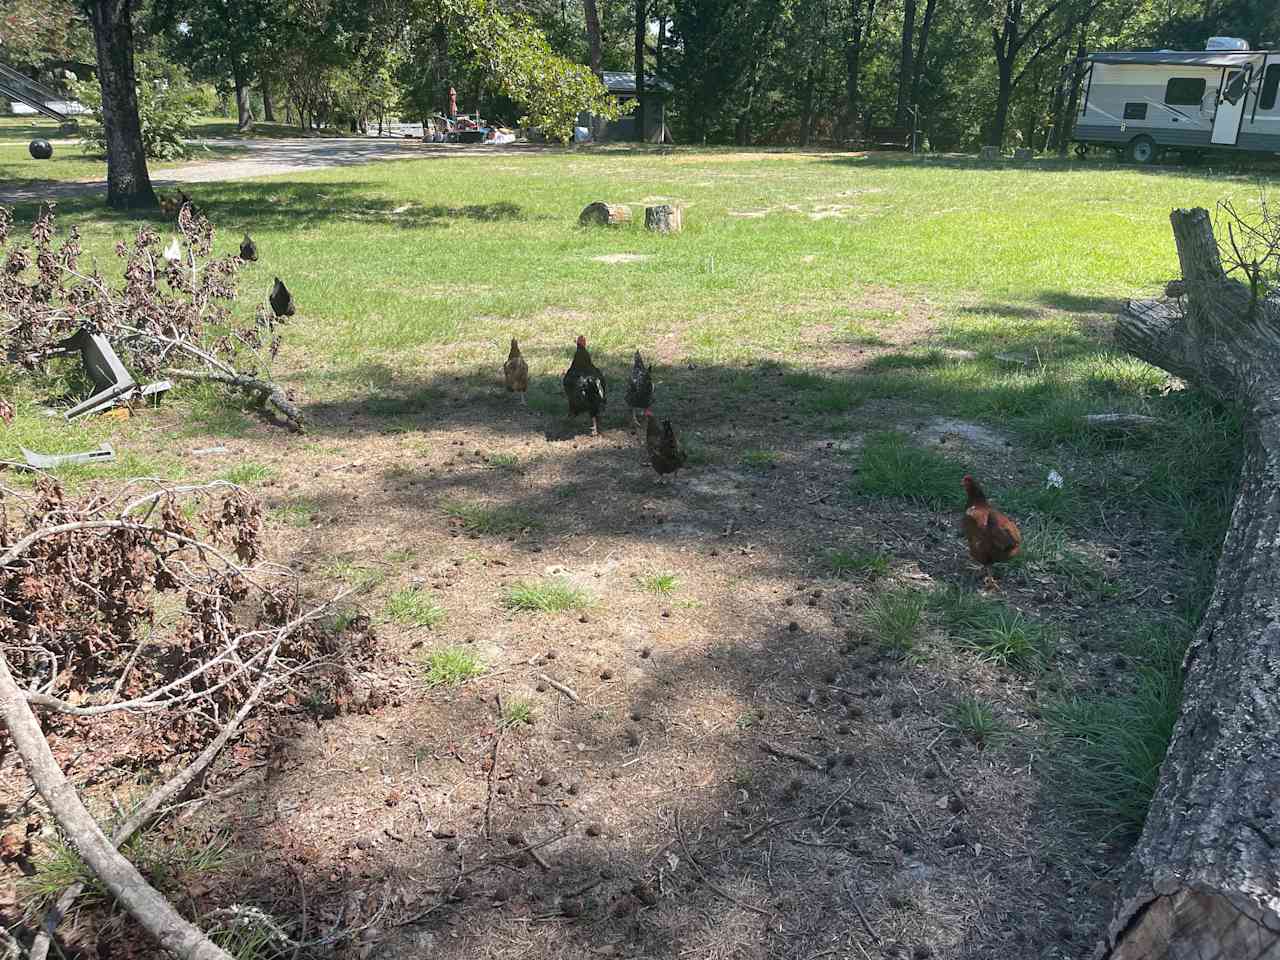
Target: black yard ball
41, 149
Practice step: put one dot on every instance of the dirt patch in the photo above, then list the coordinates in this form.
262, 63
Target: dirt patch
652, 814
622, 258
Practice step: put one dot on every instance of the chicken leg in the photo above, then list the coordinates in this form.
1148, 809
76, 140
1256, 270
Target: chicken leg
595, 427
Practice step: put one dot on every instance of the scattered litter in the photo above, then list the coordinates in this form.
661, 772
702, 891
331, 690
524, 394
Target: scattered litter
1055, 480
112, 380
45, 461
402, 208
209, 451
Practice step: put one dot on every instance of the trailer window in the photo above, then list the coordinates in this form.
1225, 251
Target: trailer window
1269, 84
1135, 111
1184, 91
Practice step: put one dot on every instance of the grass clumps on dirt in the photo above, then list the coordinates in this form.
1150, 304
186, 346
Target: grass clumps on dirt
517, 712
1115, 743
451, 666
894, 467
486, 519
414, 607
545, 596
867, 563
895, 619
760, 459
357, 576
975, 719
993, 631
660, 583
247, 473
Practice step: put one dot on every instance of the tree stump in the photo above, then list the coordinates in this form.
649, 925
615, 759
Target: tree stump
1204, 878
664, 218
989, 154
604, 214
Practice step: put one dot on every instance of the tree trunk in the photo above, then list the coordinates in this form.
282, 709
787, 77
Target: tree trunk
859, 28
1004, 94
1073, 101
1057, 109
922, 47
268, 105
906, 63
806, 119
604, 214
1204, 878
128, 183
642, 29
592, 15
664, 218
244, 111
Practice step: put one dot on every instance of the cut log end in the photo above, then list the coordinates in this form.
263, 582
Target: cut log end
1212, 925
664, 218
604, 214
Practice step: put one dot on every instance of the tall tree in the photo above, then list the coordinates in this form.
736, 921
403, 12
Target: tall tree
128, 182
922, 48
906, 62
1021, 32
592, 15
642, 33
861, 13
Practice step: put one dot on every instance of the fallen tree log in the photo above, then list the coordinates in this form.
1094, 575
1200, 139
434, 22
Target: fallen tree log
604, 214
261, 391
1121, 422
1204, 878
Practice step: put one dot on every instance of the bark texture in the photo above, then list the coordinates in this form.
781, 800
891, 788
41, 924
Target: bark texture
604, 214
128, 183
591, 14
664, 218
1204, 879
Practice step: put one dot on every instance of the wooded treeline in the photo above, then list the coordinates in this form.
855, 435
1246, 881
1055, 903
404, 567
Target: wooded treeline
743, 71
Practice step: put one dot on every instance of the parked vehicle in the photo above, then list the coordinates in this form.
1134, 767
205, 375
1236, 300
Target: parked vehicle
1223, 98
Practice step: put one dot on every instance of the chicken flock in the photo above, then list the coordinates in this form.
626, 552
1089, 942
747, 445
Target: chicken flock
993, 537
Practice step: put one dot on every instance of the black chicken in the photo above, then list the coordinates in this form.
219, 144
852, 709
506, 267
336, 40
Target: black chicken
248, 249
281, 300
639, 388
584, 386
664, 450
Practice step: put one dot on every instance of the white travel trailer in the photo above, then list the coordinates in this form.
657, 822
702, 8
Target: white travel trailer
1143, 104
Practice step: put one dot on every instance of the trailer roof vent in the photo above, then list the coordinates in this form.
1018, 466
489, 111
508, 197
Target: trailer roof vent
1226, 43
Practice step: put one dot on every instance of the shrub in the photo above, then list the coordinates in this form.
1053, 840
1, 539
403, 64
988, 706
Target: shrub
168, 104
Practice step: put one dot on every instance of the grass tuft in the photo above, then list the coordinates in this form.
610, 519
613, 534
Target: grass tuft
517, 712
662, 584
992, 630
760, 459
414, 607
450, 666
545, 596
895, 618
975, 719
893, 467
485, 519
1112, 746
247, 473
868, 563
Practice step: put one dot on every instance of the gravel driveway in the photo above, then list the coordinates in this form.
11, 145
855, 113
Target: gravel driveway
263, 158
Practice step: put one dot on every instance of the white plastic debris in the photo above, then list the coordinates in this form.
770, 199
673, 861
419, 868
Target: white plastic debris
173, 253
1055, 480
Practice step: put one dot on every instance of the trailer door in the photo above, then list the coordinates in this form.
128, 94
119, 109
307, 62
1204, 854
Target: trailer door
1226, 121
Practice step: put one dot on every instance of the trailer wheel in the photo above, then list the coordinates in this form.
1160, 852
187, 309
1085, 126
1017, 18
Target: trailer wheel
1141, 150
1082, 149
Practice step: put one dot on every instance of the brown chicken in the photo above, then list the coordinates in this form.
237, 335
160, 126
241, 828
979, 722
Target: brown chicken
664, 450
516, 372
993, 537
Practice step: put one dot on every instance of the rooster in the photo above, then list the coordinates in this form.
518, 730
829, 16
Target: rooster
664, 450
516, 372
639, 388
171, 206
584, 386
248, 249
281, 300
993, 537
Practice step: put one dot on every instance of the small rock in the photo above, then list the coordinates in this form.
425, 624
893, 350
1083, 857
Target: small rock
574, 789
544, 780
644, 653
584, 619
594, 830
956, 805
551, 654
793, 626
666, 614
606, 674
